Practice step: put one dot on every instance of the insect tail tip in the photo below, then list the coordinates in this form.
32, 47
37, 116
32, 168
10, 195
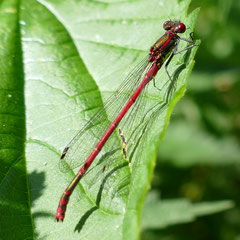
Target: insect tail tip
58, 219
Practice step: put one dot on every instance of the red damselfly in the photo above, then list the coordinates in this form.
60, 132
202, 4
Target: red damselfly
83, 148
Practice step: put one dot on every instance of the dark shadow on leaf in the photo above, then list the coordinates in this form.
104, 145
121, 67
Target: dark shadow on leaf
178, 71
14, 204
36, 179
43, 214
182, 66
84, 218
99, 195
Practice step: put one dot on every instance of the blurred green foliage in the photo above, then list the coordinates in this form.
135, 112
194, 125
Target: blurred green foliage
199, 158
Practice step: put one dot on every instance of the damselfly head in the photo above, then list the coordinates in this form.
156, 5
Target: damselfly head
174, 26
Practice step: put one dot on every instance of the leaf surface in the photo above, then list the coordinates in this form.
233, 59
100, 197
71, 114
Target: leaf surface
163, 213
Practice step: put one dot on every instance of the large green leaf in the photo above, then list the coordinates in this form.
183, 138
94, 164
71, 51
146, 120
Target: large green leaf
205, 149
59, 59
162, 213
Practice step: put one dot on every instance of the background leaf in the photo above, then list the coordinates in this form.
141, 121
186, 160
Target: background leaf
162, 213
205, 148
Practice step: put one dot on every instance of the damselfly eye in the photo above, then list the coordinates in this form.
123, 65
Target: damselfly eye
181, 28
167, 25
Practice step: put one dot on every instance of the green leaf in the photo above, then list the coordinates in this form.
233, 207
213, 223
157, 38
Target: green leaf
15, 211
221, 81
205, 149
163, 213
59, 59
